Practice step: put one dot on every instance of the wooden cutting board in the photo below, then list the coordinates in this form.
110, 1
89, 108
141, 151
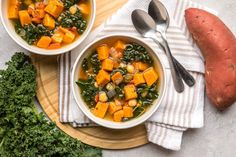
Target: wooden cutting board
47, 94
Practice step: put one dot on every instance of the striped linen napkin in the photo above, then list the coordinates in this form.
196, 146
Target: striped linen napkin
178, 112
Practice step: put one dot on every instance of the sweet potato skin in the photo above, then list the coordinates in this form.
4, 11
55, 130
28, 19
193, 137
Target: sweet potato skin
218, 46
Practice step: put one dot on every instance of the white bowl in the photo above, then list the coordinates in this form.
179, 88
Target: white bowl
106, 123
11, 31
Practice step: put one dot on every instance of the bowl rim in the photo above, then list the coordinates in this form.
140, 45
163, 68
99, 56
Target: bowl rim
100, 121
46, 52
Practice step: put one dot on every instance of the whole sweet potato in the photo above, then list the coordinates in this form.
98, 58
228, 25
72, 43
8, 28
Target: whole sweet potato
218, 46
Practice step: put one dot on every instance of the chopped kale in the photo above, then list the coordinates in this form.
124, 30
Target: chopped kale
88, 90
68, 20
135, 52
23, 131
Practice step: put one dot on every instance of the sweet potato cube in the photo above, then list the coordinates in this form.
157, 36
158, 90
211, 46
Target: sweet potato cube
54, 46
100, 109
54, 8
117, 117
116, 64
24, 17
150, 76
117, 78
62, 29
57, 37
36, 20
44, 42
140, 66
128, 111
119, 45
103, 52
49, 22
113, 107
69, 37
138, 79
102, 78
130, 92
13, 12
107, 64
84, 8
14, 2
39, 13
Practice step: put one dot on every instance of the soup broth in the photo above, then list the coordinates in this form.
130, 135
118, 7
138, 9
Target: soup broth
118, 80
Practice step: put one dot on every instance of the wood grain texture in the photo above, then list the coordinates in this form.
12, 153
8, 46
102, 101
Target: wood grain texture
47, 94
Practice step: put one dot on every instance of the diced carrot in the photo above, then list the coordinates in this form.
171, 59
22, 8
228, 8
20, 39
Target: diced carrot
54, 46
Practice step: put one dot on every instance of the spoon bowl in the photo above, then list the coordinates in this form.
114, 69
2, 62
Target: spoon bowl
146, 26
159, 14
143, 23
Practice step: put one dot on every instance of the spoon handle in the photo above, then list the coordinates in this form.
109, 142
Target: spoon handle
177, 80
187, 77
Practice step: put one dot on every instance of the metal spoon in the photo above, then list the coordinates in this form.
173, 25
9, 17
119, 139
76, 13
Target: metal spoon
161, 17
145, 25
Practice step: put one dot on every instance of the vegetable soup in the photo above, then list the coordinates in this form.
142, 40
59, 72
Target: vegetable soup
118, 81
49, 24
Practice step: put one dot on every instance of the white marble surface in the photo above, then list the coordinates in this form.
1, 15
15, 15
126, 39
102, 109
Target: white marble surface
218, 137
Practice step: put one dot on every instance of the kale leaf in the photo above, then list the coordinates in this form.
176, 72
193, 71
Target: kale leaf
69, 3
68, 20
88, 90
31, 33
23, 131
95, 62
135, 52
146, 95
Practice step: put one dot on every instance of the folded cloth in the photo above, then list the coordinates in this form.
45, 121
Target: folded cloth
178, 111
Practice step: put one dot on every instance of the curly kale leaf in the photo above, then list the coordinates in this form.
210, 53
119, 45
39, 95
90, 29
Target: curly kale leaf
68, 20
88, 90
31, 33
69, 3
23, 131
135, 52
